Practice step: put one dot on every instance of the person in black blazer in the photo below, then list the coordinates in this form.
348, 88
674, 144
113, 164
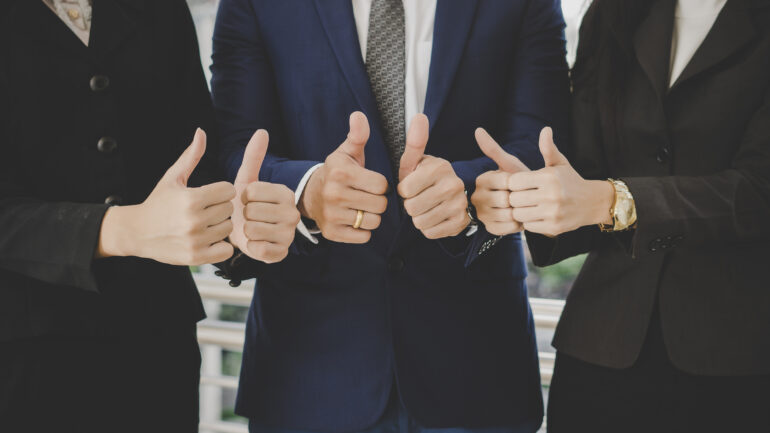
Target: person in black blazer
667, 328
98, 308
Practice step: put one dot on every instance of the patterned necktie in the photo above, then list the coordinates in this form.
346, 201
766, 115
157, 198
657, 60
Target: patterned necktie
386, 67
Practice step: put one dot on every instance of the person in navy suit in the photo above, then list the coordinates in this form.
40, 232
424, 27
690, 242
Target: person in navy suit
395, 309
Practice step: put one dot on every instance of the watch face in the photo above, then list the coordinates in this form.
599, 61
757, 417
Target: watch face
624, 209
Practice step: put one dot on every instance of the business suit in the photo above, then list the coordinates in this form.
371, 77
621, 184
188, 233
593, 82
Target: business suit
681, 295
334, 326
94, 345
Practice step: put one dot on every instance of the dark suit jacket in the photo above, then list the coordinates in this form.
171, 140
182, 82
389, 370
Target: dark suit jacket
697, 161
332, 323
79, 125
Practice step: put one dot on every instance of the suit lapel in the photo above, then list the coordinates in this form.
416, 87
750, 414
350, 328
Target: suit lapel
340, 27
47, 27
652, 44
113, 22
454, 19
732, 30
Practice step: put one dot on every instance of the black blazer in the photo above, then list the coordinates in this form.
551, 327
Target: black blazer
80, 127
697, 160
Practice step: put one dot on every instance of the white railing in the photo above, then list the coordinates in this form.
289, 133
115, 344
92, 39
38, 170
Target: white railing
216, 335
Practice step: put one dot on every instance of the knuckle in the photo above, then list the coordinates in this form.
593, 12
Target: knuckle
227, 252
251, 230
333, 193
228, 191
295, 217
328, 214
227, 227
381, 184
338, 176
277, 256
251, 212
259, 249
251, 192
403, 189
366, 236
458, 184
376, 220
419, 223
382, 204
431, 234
190, 201
409, 207
287, 194
190, 225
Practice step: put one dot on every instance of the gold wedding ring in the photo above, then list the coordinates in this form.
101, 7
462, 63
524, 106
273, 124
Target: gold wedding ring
359, 219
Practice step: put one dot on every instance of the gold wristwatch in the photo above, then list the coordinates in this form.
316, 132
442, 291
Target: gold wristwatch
623, 210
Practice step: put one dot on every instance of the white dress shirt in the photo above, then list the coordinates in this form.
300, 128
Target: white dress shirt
76, 14
419, 18
693, 21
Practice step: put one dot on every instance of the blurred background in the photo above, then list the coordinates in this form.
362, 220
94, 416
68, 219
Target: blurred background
221, 335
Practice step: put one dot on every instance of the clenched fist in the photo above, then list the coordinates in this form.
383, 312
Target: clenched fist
491, 197
549, 201
433, 194
556, 199
342, 186
265, 217
176, 225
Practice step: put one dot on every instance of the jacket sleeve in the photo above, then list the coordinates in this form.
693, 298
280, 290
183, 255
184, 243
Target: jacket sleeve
245, 98
538, 96
50, 241
729, 206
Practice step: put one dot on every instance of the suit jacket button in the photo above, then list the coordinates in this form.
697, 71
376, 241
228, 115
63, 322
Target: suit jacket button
663, 155
234, 283
113, 200
106, 145
396, 264
99, 83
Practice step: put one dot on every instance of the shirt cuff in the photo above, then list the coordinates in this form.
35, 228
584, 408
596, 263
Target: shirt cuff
301, 227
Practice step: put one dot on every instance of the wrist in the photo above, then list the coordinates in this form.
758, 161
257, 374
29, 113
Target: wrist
115, 238
604, 195
305, 202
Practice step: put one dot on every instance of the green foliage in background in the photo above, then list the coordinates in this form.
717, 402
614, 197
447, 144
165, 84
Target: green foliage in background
554, 282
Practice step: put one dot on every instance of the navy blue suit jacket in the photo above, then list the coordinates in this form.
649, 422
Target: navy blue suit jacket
333, 325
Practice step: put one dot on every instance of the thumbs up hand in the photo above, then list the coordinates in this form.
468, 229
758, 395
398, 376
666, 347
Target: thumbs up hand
176, 224
556, 199
264, 214
491, 197
434, 196
342, 187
